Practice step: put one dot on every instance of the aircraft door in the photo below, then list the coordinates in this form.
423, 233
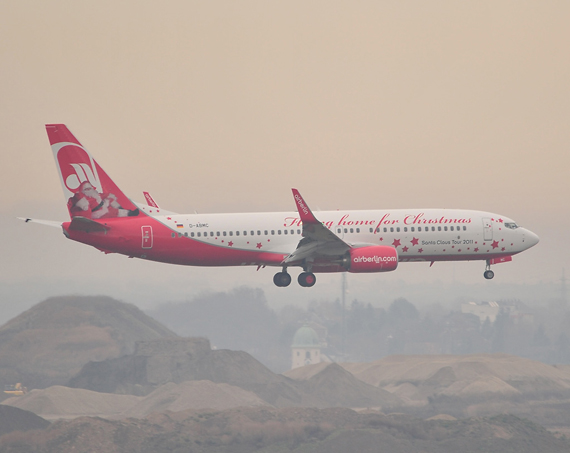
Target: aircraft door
487, 230
146, 237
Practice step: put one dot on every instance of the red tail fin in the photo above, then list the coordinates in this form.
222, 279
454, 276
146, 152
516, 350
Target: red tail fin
89, 190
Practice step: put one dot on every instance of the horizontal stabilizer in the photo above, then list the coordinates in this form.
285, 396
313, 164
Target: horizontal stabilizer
87, 225
52, 223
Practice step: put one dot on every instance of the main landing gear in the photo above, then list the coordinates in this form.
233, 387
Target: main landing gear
306, 279
282, 279
488, 274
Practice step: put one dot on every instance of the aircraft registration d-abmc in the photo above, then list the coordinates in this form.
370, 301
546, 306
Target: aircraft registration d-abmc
363, 241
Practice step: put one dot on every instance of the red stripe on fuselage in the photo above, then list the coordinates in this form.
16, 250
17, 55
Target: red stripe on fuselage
125, 237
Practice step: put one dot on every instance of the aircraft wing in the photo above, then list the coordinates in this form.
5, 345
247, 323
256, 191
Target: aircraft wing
318, 241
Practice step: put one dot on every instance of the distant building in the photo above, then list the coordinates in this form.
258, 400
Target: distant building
306, 347
516, 310
483, 310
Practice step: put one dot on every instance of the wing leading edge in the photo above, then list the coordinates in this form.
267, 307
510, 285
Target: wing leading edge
318, 241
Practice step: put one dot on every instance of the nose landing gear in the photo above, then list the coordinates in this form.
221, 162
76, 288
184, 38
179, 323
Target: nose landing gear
488, 274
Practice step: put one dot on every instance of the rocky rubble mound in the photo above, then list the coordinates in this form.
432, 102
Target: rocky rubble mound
66, 403
244, 430
415, 378
331, 383
14, 419
49, 343
156, 363
63, 402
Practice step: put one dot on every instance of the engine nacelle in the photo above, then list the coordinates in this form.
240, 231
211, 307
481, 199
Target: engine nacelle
374, 258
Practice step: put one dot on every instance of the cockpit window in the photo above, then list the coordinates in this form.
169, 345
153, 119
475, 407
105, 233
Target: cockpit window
511, 225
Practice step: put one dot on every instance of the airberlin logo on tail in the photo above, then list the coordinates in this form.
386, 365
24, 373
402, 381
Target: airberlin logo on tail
302, 206
374, 259
76, 166
82, 173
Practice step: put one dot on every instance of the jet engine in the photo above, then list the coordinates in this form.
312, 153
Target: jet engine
374, 258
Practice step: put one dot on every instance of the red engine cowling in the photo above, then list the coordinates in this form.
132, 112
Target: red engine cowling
375, 258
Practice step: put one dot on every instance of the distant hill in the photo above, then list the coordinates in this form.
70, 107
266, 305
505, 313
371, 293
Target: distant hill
50, 342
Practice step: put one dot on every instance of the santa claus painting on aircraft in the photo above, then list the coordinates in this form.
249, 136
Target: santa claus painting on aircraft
87, 202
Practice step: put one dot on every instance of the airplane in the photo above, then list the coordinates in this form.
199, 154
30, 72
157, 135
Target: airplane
364, 241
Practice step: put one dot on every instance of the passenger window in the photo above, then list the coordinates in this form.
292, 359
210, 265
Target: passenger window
352, 230
272, 232
192, 234
285, 232
464, 228
292, 231
218, 233
385, 230
405, 229
237, 233
231, 233
224, 233
438, 228
265, 232
245, 233
173, 235
451, 228
298, 231
444, 228
186, 234
199, 234
338, 230
258, 233
358, 230
391, 229
253, 233
433, 228
346, 230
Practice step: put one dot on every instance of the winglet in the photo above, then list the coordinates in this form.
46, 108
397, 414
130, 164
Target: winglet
150, 200
305, 213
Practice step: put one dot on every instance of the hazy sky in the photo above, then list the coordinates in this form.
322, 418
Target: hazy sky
224, 106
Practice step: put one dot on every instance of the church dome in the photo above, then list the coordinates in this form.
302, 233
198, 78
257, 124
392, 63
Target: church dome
305, 337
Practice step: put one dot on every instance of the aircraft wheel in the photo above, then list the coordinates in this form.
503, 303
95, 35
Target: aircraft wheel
307, 279
488, 275
282, 279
